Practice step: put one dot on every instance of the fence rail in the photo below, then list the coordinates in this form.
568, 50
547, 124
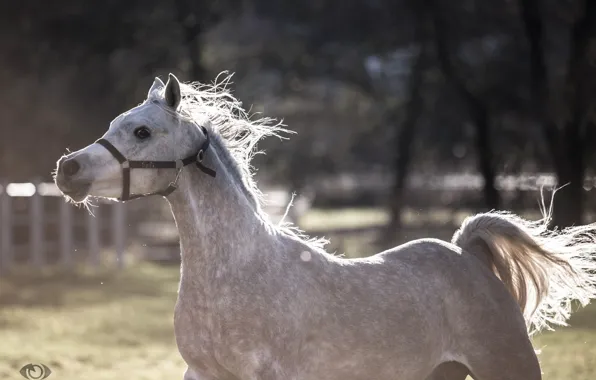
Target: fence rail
38, 227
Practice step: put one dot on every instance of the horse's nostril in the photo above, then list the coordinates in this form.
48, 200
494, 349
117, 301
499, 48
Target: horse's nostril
70, 167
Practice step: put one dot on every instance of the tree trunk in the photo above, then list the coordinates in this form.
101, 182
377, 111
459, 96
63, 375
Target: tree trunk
566, 141
570, 171
406, 131
484, 151
405, 137
478, 110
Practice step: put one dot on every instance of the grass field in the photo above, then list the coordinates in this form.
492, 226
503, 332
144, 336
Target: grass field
119, 325
113, 325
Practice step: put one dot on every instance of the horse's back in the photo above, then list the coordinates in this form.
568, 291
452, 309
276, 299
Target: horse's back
471, 298
476, 305
437, 260
413, 307
480, 320
461, 274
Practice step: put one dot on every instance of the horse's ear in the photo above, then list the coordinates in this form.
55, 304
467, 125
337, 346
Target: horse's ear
172, 93
156, 86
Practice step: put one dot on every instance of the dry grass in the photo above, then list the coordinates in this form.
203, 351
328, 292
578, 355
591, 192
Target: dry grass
91, 326
119, 325
112, 325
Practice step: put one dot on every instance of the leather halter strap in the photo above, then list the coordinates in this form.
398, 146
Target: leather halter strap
127, 165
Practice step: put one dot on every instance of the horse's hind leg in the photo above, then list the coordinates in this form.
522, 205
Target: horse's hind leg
449, 371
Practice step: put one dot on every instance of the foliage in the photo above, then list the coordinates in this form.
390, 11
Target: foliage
503, 86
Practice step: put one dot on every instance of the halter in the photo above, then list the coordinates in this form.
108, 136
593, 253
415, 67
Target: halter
178, 165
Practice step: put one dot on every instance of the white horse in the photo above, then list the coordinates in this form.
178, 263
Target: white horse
259, 301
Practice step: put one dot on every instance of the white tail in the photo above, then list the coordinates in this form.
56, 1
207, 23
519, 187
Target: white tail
545, 271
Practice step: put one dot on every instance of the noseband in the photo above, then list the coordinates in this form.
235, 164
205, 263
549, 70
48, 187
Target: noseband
178, 165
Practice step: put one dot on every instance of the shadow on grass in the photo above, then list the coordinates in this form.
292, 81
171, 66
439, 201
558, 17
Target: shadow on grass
57, 288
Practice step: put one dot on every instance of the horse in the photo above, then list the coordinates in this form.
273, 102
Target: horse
260, 300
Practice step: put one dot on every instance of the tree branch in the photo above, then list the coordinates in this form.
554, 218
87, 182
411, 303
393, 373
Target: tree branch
443, 55
323, 68
188, 19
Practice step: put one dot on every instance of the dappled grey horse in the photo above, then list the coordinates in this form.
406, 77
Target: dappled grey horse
260, 301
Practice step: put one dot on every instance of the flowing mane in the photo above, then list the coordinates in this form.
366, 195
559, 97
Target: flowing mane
236, 134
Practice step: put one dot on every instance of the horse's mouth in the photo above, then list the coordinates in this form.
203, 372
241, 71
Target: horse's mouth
76, 193
76, 196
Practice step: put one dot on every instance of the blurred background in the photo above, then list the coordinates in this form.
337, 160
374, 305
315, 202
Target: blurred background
409, 115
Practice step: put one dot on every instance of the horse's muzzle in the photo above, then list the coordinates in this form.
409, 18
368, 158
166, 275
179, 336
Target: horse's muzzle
69, 181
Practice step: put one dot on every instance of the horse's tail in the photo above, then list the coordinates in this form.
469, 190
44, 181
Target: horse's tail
545, 271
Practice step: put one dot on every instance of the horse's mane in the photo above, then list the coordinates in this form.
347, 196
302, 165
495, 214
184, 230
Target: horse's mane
237, 133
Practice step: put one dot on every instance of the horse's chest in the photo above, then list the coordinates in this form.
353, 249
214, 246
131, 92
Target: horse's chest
206, 340
194, 328
215, 339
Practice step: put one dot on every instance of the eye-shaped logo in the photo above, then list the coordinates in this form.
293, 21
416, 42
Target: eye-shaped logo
35, 371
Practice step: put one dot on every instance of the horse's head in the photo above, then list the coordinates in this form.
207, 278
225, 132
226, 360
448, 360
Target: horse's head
142, 152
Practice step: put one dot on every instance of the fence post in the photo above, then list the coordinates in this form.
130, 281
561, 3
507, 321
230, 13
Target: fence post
119, 231
37, 227
66, 234
93, 236
6, 252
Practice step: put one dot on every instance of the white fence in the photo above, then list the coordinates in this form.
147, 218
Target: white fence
37, 228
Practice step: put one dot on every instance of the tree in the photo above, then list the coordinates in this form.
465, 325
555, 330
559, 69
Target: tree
478, 108
189, 19
195, 18
567, 132
406, 130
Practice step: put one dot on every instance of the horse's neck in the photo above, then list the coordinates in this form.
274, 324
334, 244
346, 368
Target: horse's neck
218, 226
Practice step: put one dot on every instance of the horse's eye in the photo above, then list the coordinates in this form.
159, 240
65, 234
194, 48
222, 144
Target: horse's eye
142, 133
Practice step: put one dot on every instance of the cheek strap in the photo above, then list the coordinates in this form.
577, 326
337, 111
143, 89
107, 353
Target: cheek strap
127, 165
